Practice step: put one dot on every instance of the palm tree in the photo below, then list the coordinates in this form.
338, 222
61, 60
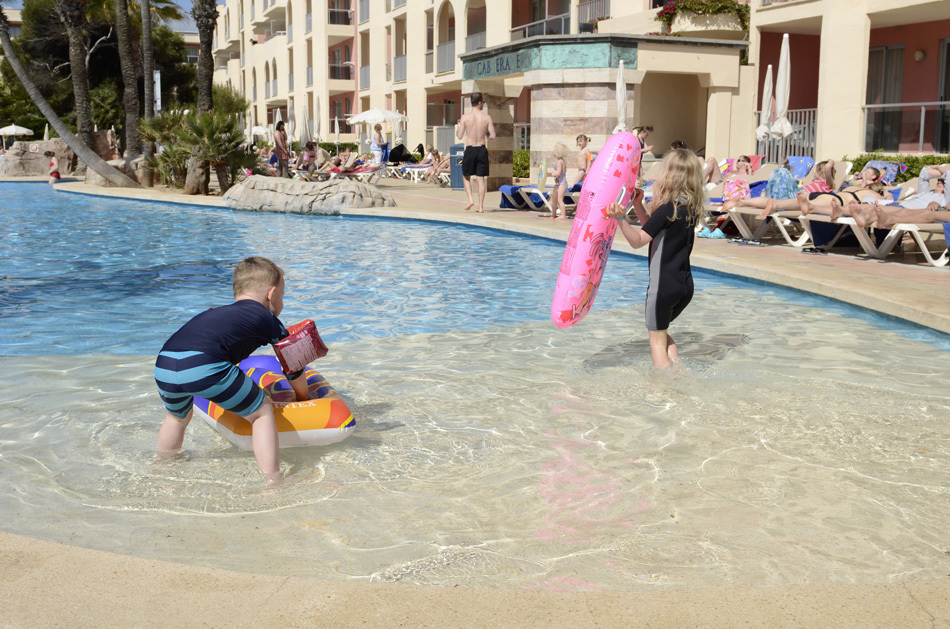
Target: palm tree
205, 14
130, 91
214, 138
73, 15
148, 70
83, 151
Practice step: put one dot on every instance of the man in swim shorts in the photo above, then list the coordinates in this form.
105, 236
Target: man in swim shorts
475, 126
201, 359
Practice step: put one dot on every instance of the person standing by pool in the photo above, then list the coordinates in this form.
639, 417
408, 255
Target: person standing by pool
678, 206
379, 144
54, 176
201, 359
280, 149
475, 127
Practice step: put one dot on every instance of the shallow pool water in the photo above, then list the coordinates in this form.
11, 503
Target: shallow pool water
808, 442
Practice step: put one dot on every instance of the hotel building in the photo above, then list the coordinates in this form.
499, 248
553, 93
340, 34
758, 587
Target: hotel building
865, 74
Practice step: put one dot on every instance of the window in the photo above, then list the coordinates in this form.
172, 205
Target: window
885, 85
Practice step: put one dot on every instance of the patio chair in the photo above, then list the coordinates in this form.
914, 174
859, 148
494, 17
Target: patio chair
414, 172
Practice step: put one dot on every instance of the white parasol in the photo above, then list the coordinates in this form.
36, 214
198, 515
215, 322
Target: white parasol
376, 116
763, 130
46, 133
316, 118
782, 128
621, 89
15, 130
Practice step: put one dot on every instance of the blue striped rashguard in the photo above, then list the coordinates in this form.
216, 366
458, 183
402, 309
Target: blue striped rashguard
201, 358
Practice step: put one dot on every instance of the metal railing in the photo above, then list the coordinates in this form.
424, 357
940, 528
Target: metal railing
904, 127
341, 124
290, 33
341, 72
363, 10
430, 60
290, 81
273, 90
522, 136
476, 41
252, 11
364, 77
593, 10
399, 69
341, 17
445, 57
551, 25
308, 22
398, 3
309, 76
800, 142
266, 89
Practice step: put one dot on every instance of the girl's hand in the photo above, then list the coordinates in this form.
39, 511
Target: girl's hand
614, 210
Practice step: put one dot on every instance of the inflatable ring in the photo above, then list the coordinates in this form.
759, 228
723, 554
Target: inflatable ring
323, 419
592, 235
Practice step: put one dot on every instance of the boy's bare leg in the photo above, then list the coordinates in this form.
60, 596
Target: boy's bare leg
660, 349
862, 213
482, 188
172, 433
300, 388
467, 182
265, 442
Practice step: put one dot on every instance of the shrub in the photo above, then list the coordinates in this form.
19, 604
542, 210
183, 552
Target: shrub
914, 162
522, 163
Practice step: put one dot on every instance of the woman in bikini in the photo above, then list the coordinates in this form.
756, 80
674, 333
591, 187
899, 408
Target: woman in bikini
54, 176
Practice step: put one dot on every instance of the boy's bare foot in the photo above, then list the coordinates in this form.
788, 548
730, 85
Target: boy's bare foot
469, 206
804, 205
768, 209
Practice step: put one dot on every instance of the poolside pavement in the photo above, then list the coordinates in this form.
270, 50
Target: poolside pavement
51, 584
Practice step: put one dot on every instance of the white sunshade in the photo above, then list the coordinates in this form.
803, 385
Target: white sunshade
782, 128
15, 130
376, 116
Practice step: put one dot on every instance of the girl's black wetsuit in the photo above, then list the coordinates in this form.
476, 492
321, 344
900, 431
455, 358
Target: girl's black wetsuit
671, 280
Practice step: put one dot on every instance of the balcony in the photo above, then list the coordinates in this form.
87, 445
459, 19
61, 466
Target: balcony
552, 25
399, 69
340, 17
275, 9
309, 76
445, 57
364, 77
362, 10
341, 72
720, 26
476, 41
593, 10
441, 114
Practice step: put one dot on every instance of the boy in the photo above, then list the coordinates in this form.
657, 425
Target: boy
201, 359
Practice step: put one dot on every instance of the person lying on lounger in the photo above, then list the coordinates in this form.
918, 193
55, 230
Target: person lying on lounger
930, 206
437, 169
821, 185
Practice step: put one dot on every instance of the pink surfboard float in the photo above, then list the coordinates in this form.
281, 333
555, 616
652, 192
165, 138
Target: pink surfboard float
592, 234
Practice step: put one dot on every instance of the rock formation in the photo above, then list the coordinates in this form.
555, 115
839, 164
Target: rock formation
275, 194
22, 160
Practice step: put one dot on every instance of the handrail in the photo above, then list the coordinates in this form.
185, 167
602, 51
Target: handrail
923, 115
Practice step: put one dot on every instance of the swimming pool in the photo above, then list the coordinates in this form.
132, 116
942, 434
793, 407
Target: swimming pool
807, 445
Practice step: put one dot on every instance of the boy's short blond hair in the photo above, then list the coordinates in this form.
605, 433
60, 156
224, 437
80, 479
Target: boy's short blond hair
255, 273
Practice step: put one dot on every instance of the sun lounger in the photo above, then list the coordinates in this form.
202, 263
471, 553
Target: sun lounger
367, 174
414, 173
511, 198
784, 222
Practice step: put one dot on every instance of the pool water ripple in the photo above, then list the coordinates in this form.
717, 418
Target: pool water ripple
805, 445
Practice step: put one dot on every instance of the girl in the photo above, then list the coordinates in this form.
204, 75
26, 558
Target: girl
585, 159
53, 167
642, 133
679, 205
378, 144
560, 181
281, 150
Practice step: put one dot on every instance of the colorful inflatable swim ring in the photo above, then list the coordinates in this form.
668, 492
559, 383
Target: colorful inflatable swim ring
323, 419
592, 235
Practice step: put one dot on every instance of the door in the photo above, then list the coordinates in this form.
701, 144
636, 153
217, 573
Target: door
885, 68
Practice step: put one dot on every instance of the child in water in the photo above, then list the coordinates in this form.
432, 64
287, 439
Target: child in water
678, 206
201, 359
560, 181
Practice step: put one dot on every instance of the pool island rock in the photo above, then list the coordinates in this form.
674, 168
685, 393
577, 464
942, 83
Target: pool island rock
274, 194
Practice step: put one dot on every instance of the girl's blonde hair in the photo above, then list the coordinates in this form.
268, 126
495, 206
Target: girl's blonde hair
820, 170
560, 150
680, 182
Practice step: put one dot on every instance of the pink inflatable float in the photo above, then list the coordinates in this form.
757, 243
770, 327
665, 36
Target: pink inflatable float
613, 173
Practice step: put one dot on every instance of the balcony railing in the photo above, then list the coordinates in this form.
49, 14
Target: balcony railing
476, 41
252, 11
552, 25
398, 3
389, 72
908, 127
399, 69
308, 23
290, 82
340, 124
430, 60
363, 10
341, 72
273, 89
364, 77
593, 10
445, 57
290, 33
266, 89
341, 17
309, 76
800, 142
269, 35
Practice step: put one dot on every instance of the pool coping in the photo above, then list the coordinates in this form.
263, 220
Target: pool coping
98, 588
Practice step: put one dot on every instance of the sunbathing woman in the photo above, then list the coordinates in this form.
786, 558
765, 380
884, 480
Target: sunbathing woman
924, 207
441, 167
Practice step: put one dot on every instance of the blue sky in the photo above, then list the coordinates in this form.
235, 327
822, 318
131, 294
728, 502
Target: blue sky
186, 24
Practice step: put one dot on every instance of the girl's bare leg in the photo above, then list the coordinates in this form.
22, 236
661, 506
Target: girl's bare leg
660, 350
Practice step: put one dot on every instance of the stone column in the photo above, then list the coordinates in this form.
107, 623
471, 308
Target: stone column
501, 149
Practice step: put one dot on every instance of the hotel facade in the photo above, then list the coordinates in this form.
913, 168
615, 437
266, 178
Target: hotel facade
865, 74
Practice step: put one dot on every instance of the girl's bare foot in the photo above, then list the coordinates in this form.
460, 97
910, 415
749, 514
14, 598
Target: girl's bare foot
836, 212
729, 204
768, 209
804, 205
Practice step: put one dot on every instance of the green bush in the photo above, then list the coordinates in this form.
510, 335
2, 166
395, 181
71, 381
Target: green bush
522, 163
330, 147
914, 162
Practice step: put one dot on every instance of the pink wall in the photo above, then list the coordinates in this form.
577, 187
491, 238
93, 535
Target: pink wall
921, 78
804, 74
523, 107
